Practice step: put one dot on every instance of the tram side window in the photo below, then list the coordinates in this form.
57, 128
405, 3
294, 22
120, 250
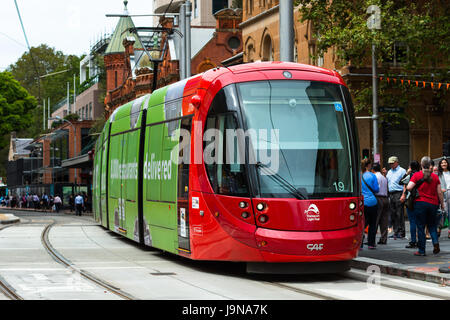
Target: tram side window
183, 154
153, 162
224, 160
130, 161
168, 168
114, 169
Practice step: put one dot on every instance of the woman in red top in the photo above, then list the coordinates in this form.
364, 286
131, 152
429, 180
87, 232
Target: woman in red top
426, 204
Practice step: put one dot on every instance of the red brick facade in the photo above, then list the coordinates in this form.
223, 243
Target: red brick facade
121, 87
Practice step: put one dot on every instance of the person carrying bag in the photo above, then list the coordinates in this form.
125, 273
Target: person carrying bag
369, 188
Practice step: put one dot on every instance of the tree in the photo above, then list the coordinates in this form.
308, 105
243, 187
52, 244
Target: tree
414, 40
44, 60
16, 107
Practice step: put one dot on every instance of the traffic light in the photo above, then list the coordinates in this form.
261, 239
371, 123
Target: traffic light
446, 149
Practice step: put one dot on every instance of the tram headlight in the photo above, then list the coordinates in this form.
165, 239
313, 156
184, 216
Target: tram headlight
243, 204
352, 217
352, 206
260, 206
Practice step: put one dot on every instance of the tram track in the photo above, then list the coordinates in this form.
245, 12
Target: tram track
5, 287
389, 283
68, 264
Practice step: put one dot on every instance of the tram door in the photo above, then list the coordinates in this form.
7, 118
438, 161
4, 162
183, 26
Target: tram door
183, 187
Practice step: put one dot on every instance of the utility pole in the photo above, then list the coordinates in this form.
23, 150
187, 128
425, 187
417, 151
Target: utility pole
188, 38
286, 23
43, 115
374, 23
68, 98
182, 25
48, 114
74, 92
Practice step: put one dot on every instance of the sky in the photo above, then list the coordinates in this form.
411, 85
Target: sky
66, 25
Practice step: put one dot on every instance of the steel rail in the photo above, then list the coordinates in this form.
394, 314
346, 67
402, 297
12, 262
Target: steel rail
384, 282
67, 263
8, 291
5, 288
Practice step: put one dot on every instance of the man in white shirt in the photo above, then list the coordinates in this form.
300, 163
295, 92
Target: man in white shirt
394, 175
383, 203
79, 204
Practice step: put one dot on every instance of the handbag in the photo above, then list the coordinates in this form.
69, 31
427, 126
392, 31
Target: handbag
441, 219
367, 185
413, 195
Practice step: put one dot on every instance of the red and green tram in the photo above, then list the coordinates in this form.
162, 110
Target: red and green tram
255, 163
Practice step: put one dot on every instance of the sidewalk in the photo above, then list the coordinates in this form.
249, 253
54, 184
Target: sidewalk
9, 217
394, 259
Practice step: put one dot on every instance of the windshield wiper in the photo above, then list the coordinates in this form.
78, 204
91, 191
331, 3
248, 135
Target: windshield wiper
283, 182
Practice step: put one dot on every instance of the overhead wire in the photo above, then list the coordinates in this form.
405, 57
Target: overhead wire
31, 53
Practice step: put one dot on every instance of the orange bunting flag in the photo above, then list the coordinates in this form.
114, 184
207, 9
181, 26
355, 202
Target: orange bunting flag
409, 82
424, 83
388, 80
448, 84
395, 80
401, 81
439, 86
417, 83
381, 78
432, 85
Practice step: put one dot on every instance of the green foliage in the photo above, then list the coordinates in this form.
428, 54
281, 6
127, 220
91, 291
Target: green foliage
16, 111
421, 28
72, 117
46, 60
236, 4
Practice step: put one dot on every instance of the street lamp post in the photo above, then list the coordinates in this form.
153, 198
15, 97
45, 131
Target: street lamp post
374, 23
57, 118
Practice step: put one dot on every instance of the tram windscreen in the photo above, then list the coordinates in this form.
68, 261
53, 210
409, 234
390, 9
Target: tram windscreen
300, 143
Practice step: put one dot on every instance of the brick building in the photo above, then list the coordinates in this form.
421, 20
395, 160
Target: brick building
429, 123
127, 79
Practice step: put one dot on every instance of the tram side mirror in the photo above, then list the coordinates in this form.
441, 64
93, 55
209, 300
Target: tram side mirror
196, 101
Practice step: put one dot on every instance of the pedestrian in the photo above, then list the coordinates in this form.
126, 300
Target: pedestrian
29, 200
426, 204
35, 201
370, 187
394, 175
444, 178
44, 200
79, 204
414, 167
383, 203
71, 202
58, 202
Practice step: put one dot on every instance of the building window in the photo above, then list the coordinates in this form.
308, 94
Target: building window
115, 79
234, 42
250, 53
219, 5
90, 111
399, 54
195, 9
249, 7
267, 49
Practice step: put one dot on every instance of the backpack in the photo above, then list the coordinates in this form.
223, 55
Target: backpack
413, 195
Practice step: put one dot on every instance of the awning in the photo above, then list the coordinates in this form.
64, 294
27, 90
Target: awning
83, 161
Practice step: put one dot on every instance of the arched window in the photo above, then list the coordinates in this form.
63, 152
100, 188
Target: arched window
267, 54
249, 6
250, 53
